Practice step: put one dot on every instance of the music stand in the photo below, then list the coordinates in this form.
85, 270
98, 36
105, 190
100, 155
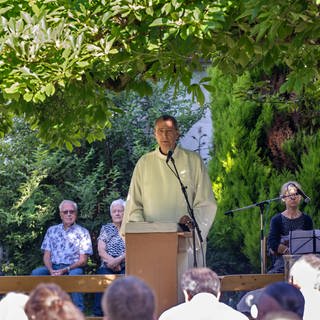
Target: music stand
304, 241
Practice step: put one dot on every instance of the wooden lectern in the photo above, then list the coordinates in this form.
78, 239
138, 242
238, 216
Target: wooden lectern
157, 252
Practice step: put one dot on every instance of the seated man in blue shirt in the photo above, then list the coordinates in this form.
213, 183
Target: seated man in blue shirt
66, 248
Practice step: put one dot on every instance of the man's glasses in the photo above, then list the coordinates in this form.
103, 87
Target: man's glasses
65, 212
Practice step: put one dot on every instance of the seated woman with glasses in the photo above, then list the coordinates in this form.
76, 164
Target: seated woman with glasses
282, 223
111, 248
66, 247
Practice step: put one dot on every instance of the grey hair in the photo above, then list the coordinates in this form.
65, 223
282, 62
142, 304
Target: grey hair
68, 201
286, 185
120, 201
196, 280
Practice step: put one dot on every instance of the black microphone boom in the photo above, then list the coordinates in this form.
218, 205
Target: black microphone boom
302, 194
194, 223
169, 155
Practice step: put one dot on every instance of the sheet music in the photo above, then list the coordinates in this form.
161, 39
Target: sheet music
304, 241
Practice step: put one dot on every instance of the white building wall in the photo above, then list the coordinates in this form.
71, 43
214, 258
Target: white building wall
199, 137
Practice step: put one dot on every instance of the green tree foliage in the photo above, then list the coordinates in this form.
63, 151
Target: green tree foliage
58, 58
258, 146
60, 61
35, 178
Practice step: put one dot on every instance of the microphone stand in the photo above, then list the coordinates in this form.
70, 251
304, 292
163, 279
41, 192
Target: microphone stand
194, 224
261, 206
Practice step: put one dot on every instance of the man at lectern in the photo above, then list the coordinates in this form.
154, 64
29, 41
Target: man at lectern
164, 178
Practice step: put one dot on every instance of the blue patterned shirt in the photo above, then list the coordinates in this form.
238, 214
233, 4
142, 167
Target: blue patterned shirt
115, 245
66, 246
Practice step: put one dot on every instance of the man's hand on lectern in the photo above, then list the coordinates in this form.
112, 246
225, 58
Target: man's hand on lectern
186, 221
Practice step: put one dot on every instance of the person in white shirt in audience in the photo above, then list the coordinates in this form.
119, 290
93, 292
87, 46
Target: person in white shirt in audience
12, 306
305, 274
201, 288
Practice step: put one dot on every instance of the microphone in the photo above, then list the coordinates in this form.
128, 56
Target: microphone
302, 194
169, 155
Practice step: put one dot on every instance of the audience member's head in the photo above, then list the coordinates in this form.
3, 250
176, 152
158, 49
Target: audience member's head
49, 302
282, 315
12, 306
247, 301
198, 280
280, 296
128, 298
305, 272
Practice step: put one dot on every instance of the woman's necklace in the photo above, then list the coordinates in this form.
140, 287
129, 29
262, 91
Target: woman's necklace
292, 214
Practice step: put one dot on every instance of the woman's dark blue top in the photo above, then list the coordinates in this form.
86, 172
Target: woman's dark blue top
280, 226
